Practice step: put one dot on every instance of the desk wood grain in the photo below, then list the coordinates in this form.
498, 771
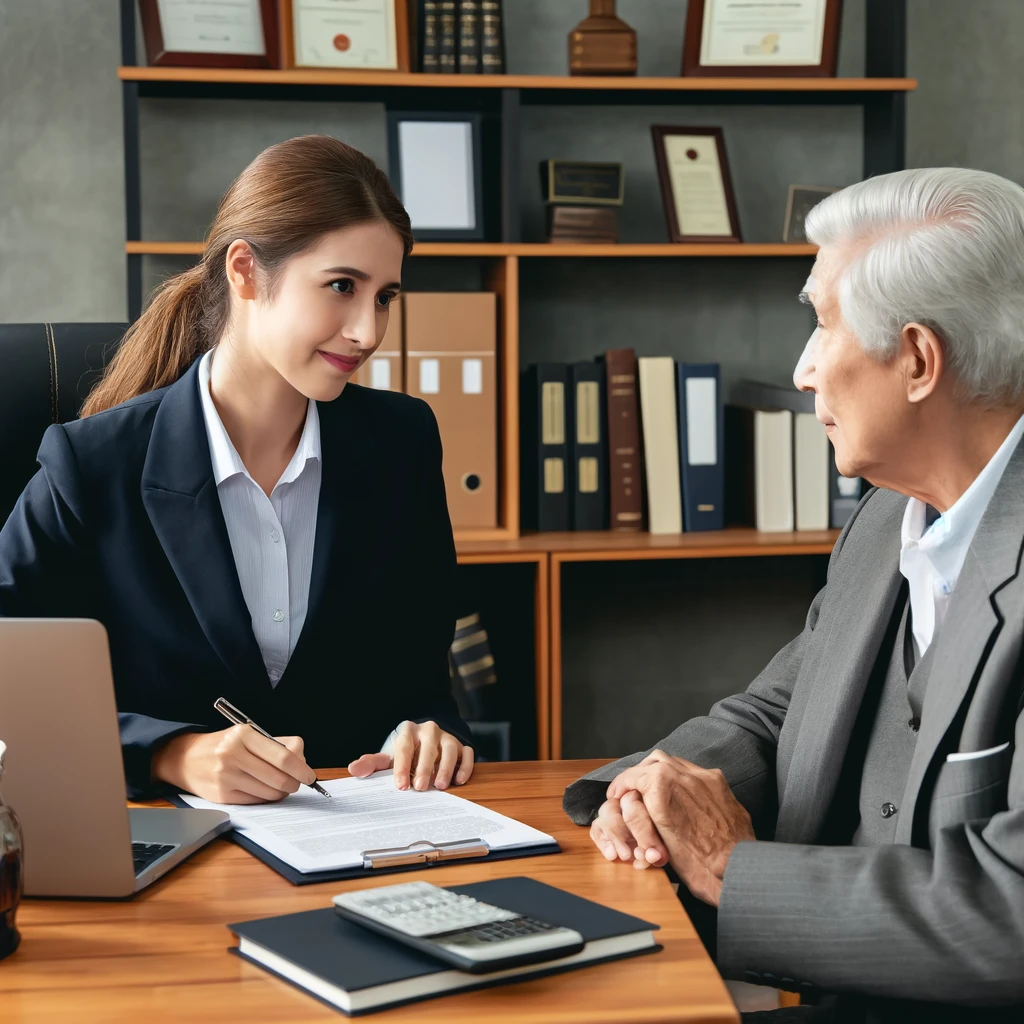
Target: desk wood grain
162, 956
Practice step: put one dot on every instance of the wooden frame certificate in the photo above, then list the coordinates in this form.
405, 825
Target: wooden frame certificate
761, 37
350, 34
695, 184
210, 33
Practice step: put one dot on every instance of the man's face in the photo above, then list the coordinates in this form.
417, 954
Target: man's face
861, 400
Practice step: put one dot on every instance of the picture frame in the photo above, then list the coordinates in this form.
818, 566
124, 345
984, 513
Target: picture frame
799, 202
444, 197
696, 186
717, 43
374, 37
173, 37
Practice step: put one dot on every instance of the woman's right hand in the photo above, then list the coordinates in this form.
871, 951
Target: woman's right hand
235, 766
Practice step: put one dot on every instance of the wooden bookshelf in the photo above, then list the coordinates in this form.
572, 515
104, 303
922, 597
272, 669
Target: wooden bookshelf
648, 250
398, 79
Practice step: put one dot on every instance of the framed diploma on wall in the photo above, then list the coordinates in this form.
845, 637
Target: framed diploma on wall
700, 205
369, 34
770, 38
211, 33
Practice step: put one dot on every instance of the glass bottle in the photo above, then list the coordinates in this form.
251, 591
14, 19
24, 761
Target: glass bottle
10, 871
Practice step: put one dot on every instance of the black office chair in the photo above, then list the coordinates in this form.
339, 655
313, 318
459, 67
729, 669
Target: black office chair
46, 373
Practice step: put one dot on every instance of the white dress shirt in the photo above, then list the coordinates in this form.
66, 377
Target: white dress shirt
271, 538
932, 556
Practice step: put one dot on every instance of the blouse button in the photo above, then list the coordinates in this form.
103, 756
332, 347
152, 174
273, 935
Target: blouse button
278, 615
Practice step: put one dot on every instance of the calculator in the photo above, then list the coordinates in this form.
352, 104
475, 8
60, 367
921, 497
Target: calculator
473, 936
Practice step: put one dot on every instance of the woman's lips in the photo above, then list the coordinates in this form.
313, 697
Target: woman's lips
343, 363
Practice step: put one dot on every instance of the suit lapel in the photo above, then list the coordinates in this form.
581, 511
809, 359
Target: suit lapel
977, 610
348, 514
859, 615
180, 497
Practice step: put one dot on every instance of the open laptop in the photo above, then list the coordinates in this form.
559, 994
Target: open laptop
63, 773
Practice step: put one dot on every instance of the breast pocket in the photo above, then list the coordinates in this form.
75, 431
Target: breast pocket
971, 789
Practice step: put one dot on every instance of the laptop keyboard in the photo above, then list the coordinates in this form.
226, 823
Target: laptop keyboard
144, 854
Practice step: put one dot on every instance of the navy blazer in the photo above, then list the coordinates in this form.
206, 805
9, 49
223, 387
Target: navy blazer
122, 523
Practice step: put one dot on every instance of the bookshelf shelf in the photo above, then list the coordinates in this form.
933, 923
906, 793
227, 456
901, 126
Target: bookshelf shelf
552, 83
647, 250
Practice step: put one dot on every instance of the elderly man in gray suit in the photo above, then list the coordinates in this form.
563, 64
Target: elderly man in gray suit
857, 815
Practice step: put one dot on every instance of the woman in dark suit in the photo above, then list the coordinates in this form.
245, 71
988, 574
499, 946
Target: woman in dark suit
245, 522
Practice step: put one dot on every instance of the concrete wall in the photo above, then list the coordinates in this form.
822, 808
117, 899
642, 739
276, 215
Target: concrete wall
629, 630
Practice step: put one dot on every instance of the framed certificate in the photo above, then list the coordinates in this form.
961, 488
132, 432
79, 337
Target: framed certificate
211, 33
434, 165
370, 34
695, 186
769, 38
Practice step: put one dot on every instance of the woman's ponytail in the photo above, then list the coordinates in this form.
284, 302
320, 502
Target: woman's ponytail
160, 346
283, 203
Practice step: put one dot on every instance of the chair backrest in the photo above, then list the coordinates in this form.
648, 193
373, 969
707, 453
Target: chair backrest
47, 373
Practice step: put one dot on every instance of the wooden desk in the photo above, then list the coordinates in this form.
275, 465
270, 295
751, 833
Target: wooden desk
162, 956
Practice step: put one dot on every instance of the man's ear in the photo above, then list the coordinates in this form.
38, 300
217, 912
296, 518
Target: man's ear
240, 267
923, 358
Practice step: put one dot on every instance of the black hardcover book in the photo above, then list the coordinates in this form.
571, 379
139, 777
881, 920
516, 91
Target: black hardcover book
588, 432
492, 45
430, 33
545, 417
447, 51
469, 37
701, 445
355, 970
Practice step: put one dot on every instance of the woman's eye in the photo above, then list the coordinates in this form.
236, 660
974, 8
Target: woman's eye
385, 300
343, 287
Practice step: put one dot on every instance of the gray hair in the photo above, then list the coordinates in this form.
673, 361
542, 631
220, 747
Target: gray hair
942, 247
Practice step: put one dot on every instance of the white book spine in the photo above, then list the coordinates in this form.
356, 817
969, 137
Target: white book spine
660, 419
773, 470
811, 458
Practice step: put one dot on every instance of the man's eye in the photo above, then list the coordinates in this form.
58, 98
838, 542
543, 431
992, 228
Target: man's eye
343, 287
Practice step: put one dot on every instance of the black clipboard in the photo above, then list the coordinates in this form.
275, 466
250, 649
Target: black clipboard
385, 862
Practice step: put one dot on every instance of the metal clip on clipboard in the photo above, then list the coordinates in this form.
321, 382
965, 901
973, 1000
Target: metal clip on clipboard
425, 852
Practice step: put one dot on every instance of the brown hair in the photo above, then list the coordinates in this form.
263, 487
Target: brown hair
281, 204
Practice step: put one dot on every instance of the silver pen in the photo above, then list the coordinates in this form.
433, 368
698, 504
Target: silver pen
232, 714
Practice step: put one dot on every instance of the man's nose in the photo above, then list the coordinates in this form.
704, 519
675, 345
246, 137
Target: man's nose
803, 375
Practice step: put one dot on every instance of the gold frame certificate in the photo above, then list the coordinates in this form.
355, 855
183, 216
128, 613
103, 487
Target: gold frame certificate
695, 184
345, 34
762, 37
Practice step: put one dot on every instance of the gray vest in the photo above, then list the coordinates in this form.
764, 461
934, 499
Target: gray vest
893, 735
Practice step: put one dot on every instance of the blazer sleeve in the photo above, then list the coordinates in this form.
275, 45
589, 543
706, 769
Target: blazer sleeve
739, 735
430, 597
944, 925
48, 570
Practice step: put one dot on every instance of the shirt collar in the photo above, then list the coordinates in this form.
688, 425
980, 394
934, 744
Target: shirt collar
225, 459
947, 540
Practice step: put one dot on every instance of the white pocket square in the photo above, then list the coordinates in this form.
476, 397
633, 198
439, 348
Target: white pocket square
974, 754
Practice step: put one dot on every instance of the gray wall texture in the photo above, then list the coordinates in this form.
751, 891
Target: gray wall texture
671, 636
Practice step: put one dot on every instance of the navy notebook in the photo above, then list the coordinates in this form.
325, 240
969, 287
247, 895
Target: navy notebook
352, 969
701, 445
545, 457
589, 446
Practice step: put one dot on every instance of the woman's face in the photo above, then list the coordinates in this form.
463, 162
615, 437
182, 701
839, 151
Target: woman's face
329, 310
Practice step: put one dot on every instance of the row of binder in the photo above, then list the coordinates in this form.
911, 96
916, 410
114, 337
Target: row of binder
634, 444
442, 347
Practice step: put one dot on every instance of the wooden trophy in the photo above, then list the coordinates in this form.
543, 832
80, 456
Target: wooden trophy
602, 44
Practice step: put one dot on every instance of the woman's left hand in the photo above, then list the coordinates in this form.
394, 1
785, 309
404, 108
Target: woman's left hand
421, 754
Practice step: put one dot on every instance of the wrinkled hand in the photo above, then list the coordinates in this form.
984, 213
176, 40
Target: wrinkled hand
695, 814
421, 754
233, 766
623, 830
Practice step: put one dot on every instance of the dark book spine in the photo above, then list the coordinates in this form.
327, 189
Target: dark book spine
430, 61
547, 484
588, 433
469, 37
448, 38
625, 458
701, 446
492, 47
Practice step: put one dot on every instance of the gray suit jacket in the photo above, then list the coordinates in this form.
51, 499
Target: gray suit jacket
939, 915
